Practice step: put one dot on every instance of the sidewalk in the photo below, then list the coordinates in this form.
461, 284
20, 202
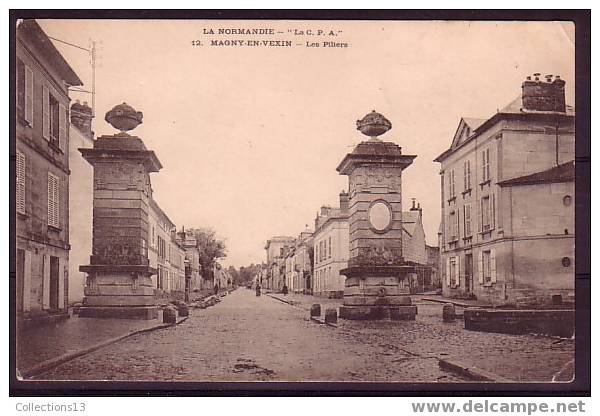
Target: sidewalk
37, 344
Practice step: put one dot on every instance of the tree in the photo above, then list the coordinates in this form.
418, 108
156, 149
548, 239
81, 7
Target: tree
234, 275
245, 274
210, 249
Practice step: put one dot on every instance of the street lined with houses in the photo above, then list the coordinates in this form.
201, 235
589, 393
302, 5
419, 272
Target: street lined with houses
109, 286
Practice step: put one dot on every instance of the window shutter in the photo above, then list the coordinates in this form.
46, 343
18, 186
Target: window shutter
20, 185
493, 211
480, 266
467, 219
61, 283
458, 269
493, 265
56, 201
50, 200
53, 200
45, 113
62, 127
457, 224
448, 271
46, 282
480, 216
27, 281
28, 95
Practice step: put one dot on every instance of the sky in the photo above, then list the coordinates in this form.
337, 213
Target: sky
249, 137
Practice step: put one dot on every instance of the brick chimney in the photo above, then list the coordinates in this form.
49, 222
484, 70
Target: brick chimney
414, 206
81, 117
344, 201
548, 95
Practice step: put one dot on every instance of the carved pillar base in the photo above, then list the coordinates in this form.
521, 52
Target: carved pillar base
377, 292
119, 292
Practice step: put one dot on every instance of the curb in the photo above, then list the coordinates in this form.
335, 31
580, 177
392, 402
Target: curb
473, 373
456, 303
312, 318
322, 321
61, 359
281, 300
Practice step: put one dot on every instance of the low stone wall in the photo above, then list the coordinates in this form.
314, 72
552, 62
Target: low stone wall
558, 322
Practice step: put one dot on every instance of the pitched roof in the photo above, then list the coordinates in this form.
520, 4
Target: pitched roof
465, 129
560, 173
516, 107
409, 221
473, 122
30, 29
480, 125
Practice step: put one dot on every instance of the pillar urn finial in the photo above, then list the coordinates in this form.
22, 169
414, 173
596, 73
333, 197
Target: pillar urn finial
124, 117
373, 125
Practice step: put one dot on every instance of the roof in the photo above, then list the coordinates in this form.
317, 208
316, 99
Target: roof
154, 205
466, 128
31, 30
556, 174
409, 221
514, 108
473, 122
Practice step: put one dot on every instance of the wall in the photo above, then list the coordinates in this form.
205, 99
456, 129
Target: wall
327, 278
34, 236
533, 216
530, 147
413, 246
81, 186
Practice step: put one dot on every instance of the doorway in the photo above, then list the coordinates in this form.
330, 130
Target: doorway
54, 276
469, 273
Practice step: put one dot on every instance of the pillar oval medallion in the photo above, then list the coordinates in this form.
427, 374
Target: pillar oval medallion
380, 216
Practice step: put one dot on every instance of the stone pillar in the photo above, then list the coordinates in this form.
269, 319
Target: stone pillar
376, 276
119, 283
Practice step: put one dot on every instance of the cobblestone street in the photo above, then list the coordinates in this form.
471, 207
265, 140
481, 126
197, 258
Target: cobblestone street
249, 338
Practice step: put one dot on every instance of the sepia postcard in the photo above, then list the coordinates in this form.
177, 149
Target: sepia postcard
336, 200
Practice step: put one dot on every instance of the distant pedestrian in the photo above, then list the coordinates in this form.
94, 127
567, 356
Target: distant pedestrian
285, 290
257, 290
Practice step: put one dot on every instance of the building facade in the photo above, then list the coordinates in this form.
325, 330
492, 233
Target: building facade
42, 174
187, 241
505, 236
222, 278
165, 253
331, 249
276, 249
299, 264
81, 191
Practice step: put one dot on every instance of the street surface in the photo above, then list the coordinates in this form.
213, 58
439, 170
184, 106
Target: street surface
249, 338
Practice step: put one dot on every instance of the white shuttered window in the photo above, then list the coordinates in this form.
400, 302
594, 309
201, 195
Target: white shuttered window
53, 200
467, 220
45, 112
62, 127
20, 185
28, 95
